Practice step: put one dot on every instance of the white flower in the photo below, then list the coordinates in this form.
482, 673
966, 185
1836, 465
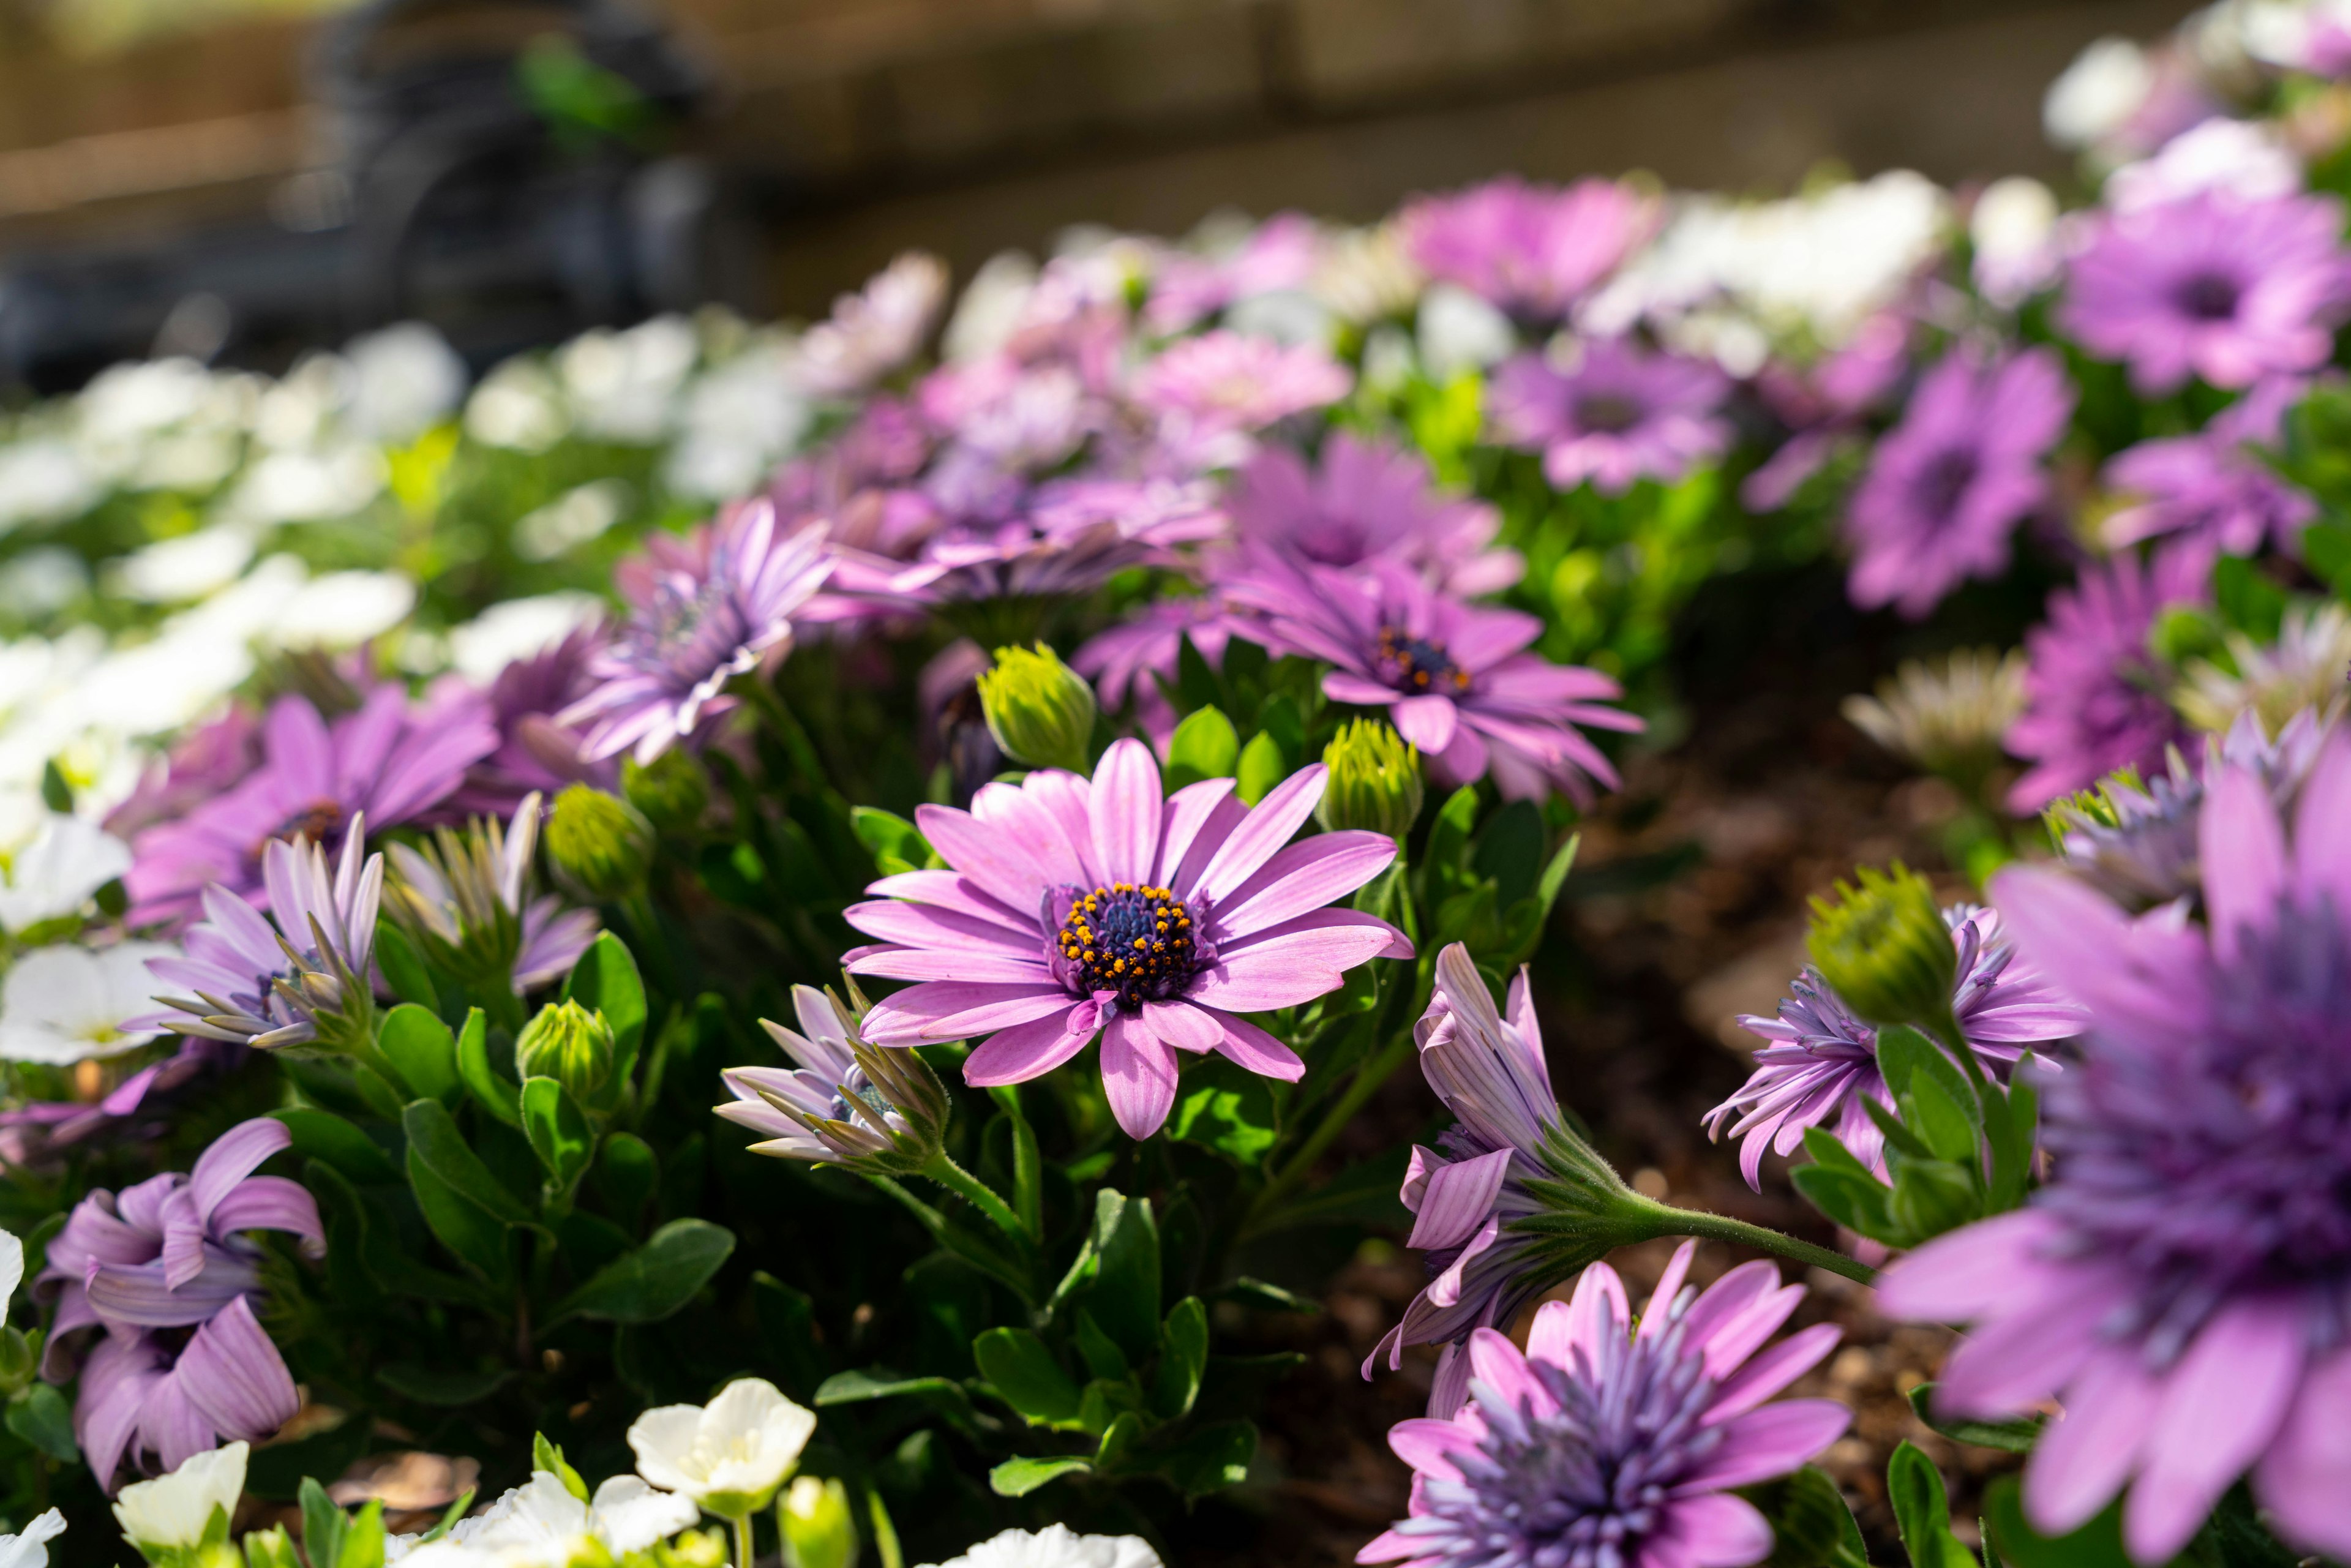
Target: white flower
66, 862
12, 1273
2288, 32
307, 487
730, 1456
2098, 92
63, 1005
517, 406
2232, 157
739, 421
42, 581
1459, 331
29, 1548
991, 308
1057, 1546
624, 385
2013, 233
173, 1511
404, 379
44, 481
1365, 275
873, 331
173, 571
518, 629
343, 609
542, 1520
570, 520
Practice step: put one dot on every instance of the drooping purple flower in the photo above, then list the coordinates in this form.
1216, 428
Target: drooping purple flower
2096, 701
167, 1270
1487, 1067
1456, 678
37, 1134
1369, 501
1619, 414
704, 609
1534, 251
2214, 488
1609, 1445
390, 762
1950, 483
1075, 907
2182, 1283
1819, 1063
1825, 406
826, 1084
2211, 285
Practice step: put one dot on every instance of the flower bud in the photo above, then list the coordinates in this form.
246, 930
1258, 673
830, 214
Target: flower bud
1375, 781
270, 1548
570, 1044
15, 1360
1040, 710
1884, 950
600, 845
818, 1528
672, 790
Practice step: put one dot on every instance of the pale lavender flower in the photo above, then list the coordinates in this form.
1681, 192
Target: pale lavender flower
1607, 1446
1819, 1063
1187, 287
2182, 1282
845, 1102
873, 331
1825, 406
1534, 251
1951, 483
1123, 660
2215, 488
468, 897
1617, 414
2211, 285
1368, 501
704, 609
1211, 392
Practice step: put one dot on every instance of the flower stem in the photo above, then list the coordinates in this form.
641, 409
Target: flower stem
1027, 1165
742, 1523
1669, 1220
1368, 1079
788, 730
976, 1193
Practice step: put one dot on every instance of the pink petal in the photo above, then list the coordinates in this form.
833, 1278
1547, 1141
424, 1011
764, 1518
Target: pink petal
978, 966
2086, 1454
995, 863
920, 925
2013, 1363
2305, 1478
2221, 1406
952, 1009
1456, 1200
1138, 1074
1495, 1362
1028, 823
1958, 1278
1183, 1026
1718, 1532
1032, 1050
1268, 826
1199, 813
1771, 1371
1246, 1045
1658, 1315
2322, 827
1768, 1442
1305, 876
1427, 722
1583, 1324
1124, 807
1429, 1446
2242, 847
1355, 691
2092, 953
233, 1156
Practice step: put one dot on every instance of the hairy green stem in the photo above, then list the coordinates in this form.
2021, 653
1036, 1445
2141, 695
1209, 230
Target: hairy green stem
976, 1193
1671, 1222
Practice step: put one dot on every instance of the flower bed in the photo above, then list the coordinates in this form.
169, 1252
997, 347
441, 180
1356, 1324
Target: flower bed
845, 930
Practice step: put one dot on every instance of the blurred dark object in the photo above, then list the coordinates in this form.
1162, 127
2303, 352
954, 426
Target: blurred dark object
498, 170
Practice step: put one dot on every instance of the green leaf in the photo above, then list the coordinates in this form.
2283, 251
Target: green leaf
2013, 1146
2097, 1544
1183, 1357
40, 1417
1211, 1458
558, 1133
1944, 1121
1511, 851
441, 1385
1124, 1295
548, 1457
1448, 841
2012, 1436
323, 1136
1857, 1202
396, 957
1205, 745
2250, 600
1119, 1441
1102, 1356
322, 1524
363, 1546
501, 1097
421, 1046
861, 1387
1018, 1478
1930, 1197
627, 1171
1910, 1062
1262, 767
1812, 1524
787, 1319
657, 1279
1922, 1510
896, 844
464, 1204
606, 979
1222, 1106
1248, 1293
1024, 1370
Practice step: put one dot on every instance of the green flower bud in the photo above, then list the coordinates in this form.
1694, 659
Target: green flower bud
570, 1044
270, 1548
600, 845
672, 790
1884, 950
818, 1528
1040, 710
1375, 781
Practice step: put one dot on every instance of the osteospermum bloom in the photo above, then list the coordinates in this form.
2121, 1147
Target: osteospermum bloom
2093, 688
2182, 1283
2215, 488
1819, 1061
1617, 414
1605, 1445
1532, 250
1456, 678
470, 898
1487, 1067
387, 762
1073, 907
846, 1102
1950, 483
1368, 501
164, 1258
2211, 285
704, 609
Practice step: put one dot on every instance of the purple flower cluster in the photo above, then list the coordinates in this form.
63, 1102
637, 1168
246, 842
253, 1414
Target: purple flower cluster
1617, 414
1532, 250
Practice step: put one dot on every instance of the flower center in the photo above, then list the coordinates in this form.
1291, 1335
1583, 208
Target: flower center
2209, 296
1607, 413
321, 822
1416, 665
1944, 482
1136, 941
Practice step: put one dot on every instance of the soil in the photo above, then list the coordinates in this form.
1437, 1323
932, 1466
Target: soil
1686, 907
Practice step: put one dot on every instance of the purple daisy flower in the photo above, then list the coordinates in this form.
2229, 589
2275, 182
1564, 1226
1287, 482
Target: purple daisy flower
2094, 697
2211, 285
1122, 659
390, 762
1609, 1445
1487, 1067
534, 753
1075, 907
1456, 677
1534, 251
1619, 414
1369, 501
1950, 483
2182, 1283
469, 899
1819, 1063
2214, 488
826, 1085
1825, 405
1226, 381
208, 762
1187, 287
165, 1257
35, 1135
